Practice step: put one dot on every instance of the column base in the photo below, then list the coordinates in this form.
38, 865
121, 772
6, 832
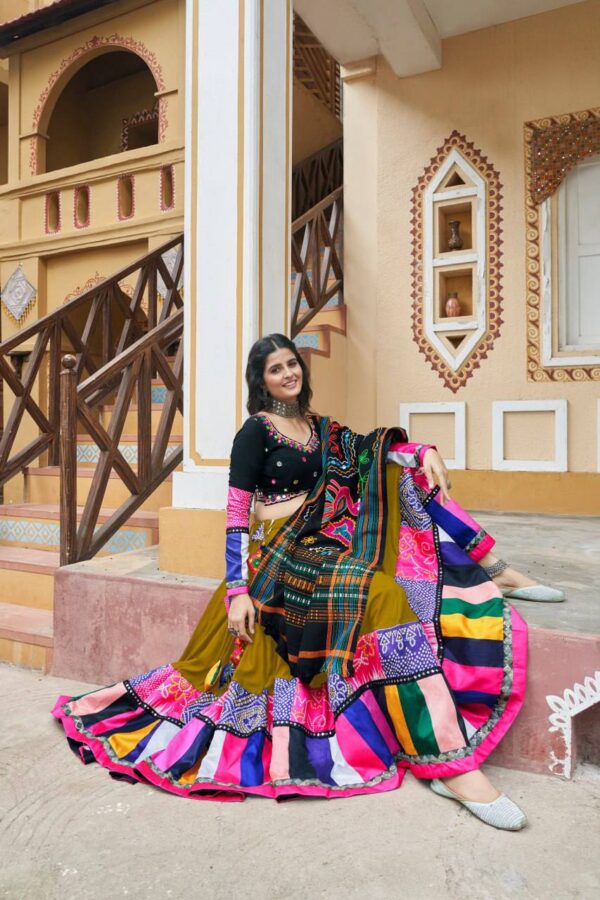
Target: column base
192, 541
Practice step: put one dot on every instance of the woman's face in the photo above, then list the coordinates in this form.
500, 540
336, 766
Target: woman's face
283, 375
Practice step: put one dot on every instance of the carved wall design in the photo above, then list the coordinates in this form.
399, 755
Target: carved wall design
96, 42
580, 131
490, 258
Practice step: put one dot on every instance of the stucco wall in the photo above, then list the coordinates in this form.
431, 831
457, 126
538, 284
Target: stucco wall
313, 125
491, 83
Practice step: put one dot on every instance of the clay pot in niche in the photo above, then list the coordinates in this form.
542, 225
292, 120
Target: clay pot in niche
453, 307
455, 242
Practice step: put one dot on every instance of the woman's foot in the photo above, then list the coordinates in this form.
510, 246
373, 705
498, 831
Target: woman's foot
500, 812
473, 786
509, 577
515, 585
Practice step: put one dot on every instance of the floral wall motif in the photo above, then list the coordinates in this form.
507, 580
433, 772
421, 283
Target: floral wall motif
113, 40
455, 379
574, 136
95, 279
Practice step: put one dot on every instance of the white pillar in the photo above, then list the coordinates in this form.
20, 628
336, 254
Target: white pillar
237, 220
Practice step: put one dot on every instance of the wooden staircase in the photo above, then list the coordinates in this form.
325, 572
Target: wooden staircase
30, 537
117, 417
101, 327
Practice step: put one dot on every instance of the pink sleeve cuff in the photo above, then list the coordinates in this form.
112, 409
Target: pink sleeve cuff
416, 451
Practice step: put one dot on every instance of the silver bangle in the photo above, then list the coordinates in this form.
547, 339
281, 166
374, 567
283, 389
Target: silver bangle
496, 568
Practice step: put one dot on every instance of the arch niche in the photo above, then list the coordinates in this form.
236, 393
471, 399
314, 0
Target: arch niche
102, 101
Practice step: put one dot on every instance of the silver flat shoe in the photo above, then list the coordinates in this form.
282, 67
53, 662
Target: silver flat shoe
500, 813
540, 593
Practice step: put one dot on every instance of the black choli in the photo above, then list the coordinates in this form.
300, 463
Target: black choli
275, 467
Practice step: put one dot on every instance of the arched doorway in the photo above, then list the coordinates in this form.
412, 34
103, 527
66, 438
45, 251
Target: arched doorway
107, 107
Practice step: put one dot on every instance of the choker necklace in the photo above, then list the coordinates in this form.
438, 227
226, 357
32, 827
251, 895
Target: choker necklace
287, 410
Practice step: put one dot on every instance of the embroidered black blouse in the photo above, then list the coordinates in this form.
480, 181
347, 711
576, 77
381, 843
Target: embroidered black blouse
269, 466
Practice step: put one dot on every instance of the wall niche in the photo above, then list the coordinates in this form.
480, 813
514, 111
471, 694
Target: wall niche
456, 260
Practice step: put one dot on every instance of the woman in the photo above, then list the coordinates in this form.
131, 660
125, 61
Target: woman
359, 637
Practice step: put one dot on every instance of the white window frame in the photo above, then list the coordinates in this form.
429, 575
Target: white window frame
555, 307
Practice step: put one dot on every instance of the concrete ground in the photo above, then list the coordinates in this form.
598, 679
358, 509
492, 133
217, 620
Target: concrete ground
563, 551
69, 832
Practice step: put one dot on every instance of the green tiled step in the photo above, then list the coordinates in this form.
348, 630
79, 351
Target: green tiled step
88, 452
36, 526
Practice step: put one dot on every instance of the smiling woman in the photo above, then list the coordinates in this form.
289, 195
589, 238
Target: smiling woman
355, 636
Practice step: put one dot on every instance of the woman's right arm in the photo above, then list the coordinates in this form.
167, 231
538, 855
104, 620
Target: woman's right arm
247, 461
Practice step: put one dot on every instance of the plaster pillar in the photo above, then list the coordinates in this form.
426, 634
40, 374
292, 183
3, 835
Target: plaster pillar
237, 229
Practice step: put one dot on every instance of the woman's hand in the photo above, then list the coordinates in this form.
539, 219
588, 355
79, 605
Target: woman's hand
436, 473
241, 617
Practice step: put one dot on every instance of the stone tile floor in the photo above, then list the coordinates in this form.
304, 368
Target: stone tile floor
563, 551
69, 832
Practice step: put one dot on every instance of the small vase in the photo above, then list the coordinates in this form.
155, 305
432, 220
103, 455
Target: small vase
455, 242
453, 307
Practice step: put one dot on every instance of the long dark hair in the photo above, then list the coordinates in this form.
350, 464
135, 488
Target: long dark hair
258, 398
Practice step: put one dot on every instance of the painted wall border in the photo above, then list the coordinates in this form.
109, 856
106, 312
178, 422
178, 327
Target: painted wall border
60, 77
536, 230
458, 409
558, 464
454, 380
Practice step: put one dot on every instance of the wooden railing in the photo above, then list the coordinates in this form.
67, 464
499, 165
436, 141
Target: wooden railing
316, 177
315, 68
317, 259
96, 327
160, 351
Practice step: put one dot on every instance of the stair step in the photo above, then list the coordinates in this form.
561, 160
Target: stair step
42, 486
88, 452
26, 559
27, 576
29, 626
37, 526
130, 426
26, 636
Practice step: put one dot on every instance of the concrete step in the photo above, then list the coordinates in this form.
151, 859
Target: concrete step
315, 339
130, 426
37, 526
27, 576
26, 636
42, 485
88, 452
138, 616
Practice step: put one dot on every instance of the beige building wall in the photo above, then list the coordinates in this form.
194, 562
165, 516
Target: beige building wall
37, 75
314, 126
491, 83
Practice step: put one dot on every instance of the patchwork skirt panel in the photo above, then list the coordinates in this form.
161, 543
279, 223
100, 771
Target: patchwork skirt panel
439, 676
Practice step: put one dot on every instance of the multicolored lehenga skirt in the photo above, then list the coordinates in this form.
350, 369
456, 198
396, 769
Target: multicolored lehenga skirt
439, 676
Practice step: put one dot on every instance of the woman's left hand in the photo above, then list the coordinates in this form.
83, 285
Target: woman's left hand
436, 473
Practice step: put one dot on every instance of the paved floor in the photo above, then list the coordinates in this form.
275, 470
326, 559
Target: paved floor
69, 832
563, 551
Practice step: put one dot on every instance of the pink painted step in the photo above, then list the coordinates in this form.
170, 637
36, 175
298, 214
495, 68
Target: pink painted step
23, 559
117, 616
29, 626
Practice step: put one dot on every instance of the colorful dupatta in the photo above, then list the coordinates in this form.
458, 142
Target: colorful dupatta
312, 581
